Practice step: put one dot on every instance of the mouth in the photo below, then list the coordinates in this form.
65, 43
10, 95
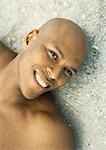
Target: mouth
40, 81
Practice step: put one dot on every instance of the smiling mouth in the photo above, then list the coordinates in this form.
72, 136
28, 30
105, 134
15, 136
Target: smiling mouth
40, 81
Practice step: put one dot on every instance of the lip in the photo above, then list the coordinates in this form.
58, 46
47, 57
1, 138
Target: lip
37, 84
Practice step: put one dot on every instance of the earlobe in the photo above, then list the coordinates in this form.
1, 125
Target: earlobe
31, 36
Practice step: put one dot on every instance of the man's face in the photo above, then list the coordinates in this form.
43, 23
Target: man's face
48, 62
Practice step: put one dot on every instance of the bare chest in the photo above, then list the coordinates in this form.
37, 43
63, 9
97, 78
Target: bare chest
24, 131
18, 132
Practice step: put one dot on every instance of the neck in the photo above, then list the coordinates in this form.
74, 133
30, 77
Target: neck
9, 88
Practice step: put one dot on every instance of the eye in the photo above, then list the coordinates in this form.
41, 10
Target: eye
53, 55
68, 71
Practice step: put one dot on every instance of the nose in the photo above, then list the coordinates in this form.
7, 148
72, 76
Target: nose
54, 73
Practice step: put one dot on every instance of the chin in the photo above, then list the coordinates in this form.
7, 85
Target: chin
30, 94
30, 89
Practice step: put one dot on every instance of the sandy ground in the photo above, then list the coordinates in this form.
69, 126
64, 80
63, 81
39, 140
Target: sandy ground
83, 101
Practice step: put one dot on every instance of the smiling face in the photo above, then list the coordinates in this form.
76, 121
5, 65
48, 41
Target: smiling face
51, 57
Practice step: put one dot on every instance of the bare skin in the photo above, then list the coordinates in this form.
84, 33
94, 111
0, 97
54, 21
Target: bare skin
29, 119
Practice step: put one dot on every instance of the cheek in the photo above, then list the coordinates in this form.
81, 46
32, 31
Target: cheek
41, 58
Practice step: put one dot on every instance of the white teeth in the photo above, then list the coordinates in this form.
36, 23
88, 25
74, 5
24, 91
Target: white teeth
40, 81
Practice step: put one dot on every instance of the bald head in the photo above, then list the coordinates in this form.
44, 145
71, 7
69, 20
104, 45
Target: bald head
60, 23
67, 33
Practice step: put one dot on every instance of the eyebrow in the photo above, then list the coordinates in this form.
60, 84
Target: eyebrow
60, 52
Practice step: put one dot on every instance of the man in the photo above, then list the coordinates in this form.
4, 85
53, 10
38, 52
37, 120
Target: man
28, 119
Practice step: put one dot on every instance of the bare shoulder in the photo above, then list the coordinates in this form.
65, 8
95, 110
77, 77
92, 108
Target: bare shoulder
56, 131
51, 125
6, 55
4, 49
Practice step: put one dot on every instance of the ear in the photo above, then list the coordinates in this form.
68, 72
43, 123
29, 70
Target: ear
30, 37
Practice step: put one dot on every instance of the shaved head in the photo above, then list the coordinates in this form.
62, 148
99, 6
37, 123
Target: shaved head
68, 33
